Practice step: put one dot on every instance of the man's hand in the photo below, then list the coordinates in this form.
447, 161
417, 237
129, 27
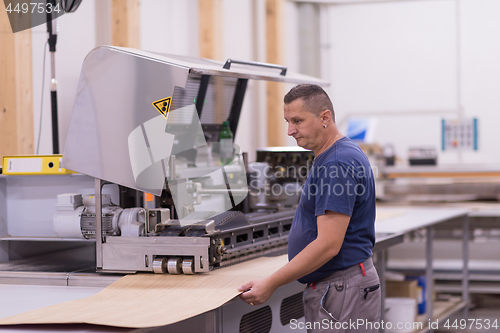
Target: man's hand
257, 291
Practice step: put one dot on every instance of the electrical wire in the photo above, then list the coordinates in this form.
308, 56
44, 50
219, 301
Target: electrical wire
41, 102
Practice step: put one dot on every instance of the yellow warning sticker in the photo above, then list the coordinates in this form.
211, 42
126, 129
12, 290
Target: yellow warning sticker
163, 106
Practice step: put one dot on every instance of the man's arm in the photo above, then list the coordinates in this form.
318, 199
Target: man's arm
331, 231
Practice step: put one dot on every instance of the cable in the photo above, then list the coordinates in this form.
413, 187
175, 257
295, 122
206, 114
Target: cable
41, 103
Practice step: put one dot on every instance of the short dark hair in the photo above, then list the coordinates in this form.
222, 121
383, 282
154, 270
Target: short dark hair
314, 97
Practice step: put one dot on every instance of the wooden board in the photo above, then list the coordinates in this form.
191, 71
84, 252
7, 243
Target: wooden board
210, 29
125, 23
16, 89
147, 300
275, 48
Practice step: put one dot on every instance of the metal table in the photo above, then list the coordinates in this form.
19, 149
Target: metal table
405, 219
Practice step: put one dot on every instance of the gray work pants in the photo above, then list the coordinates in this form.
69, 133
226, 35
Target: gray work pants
345, 301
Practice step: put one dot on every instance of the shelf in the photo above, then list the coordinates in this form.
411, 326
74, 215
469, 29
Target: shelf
442, 310
485, 287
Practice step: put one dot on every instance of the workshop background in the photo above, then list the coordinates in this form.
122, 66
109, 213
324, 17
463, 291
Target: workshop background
421, 76
409, 64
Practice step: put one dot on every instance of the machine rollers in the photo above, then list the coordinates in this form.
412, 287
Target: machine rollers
173, 265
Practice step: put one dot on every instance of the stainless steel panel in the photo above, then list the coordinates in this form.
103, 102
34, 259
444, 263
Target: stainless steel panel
114, 97
92, 279
34, 278
128, 254
108, 138
215, 67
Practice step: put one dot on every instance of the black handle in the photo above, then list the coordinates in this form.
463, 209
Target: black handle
229, 61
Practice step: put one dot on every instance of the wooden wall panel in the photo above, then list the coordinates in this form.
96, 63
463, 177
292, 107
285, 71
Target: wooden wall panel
16, 89
125, 23
276, 128
210, 29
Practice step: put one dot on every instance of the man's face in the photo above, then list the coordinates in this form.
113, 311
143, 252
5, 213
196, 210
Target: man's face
304, 126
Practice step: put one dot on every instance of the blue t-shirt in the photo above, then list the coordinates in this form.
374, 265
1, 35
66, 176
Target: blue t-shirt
340, 180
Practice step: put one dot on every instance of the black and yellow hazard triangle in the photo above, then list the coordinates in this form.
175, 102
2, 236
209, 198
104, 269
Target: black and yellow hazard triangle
163, 106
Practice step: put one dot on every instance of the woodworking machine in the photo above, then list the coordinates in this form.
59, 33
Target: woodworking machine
150, 123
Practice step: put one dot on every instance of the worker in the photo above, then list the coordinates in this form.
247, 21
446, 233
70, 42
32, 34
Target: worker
332, 236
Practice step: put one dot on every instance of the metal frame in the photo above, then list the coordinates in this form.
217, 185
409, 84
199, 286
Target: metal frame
429, 280
131, 254
429, 272
98, 215
465, 268
429, 275
202, 91
239, 95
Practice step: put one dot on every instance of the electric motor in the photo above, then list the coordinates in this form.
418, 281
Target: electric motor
75, 217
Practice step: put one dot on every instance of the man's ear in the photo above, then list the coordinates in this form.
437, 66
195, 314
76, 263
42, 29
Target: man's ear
326, 116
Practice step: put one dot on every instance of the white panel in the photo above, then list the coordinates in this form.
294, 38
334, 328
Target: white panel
392, 56
397, 60
292, 56
481, 75
170, 26
103, 22
75, 40
237, 44
236, 29
76, 37
259, 134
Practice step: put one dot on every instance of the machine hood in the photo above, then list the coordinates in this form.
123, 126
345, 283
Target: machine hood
134, 109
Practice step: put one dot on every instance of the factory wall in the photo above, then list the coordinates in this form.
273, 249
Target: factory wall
402, 63
167, 26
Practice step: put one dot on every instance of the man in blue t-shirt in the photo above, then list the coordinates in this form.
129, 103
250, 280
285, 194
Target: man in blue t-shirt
332, 236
